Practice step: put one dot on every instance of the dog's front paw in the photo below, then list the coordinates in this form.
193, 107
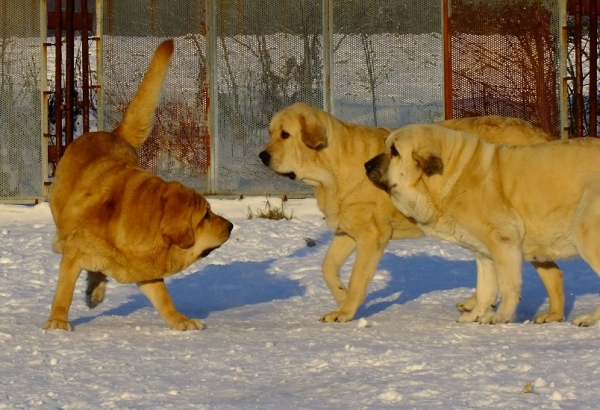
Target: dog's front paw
492, 318
57, 324
467, 305
187, 324
549, 317
467, 317
337, 316
584, 320
480, 313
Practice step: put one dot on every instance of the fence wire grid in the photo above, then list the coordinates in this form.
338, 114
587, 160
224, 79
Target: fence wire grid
237, 62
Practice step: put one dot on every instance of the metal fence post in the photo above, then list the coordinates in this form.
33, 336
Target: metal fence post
327, 54
213, 108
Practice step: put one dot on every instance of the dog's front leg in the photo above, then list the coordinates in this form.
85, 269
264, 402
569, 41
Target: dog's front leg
369, 249
340, 249
69, 271
508, 260
486, 291
156, 292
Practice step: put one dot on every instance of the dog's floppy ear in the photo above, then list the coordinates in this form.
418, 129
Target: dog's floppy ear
313, 133
176, 223
429, 162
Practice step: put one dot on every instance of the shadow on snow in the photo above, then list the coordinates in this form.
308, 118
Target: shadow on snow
414, 276
222, 287
213, 288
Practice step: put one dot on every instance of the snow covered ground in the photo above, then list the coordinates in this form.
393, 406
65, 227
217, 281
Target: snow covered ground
260, 297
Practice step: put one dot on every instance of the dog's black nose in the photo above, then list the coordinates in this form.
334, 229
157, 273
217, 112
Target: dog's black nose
369, 165
265, 157
230, 227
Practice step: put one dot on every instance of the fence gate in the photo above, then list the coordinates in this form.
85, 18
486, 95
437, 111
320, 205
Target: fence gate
22, 148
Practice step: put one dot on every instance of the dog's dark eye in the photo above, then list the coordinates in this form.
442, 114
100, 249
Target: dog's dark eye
285, 135
206, 217
394, 152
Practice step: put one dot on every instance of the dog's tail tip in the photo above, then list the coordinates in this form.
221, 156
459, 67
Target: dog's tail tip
138, 120
166, 48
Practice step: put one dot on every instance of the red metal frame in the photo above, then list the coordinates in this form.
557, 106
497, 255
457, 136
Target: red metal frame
65, 24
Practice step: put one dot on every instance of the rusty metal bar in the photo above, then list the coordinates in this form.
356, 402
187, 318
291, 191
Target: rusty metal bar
578, 86
70, 72
65, 97
593, 106
564, 83
85, 53
447, 44
58, 91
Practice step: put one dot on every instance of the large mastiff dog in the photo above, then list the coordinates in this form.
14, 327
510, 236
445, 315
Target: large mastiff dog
506, 204
113, 218
310, 145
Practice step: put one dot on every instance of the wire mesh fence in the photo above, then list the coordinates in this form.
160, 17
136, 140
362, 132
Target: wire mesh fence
21, 144
237, 62
505, 60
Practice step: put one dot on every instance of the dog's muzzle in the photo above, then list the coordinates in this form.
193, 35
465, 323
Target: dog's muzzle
206, 252
375, 168
265, 157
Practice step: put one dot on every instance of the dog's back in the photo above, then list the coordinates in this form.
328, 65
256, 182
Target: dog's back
500, 130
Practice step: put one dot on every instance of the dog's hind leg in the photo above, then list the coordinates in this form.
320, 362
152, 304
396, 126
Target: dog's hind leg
591, 255
156, 292
552, 278
587, 238
96, 288
340, 249
69, 271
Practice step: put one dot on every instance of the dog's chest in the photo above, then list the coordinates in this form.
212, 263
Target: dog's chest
330, 206
456, 234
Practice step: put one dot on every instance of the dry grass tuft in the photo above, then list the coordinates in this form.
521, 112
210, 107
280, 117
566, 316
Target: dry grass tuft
271, 212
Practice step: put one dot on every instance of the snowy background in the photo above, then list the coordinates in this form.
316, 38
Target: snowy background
260, 296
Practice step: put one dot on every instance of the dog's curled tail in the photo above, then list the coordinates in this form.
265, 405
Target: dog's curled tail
139, 117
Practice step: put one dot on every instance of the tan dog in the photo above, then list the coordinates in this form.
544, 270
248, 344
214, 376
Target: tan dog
506, 204
310, 145
113, 218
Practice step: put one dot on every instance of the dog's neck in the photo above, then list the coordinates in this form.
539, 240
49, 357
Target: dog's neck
334, 191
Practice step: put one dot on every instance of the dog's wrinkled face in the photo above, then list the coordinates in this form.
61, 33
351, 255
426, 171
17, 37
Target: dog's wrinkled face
377, 170
297, 135
406, 158
210, 230
190, 225
409, 156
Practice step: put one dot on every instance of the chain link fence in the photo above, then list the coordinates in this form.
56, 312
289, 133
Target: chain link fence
237, 62
22, 160
505, 60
